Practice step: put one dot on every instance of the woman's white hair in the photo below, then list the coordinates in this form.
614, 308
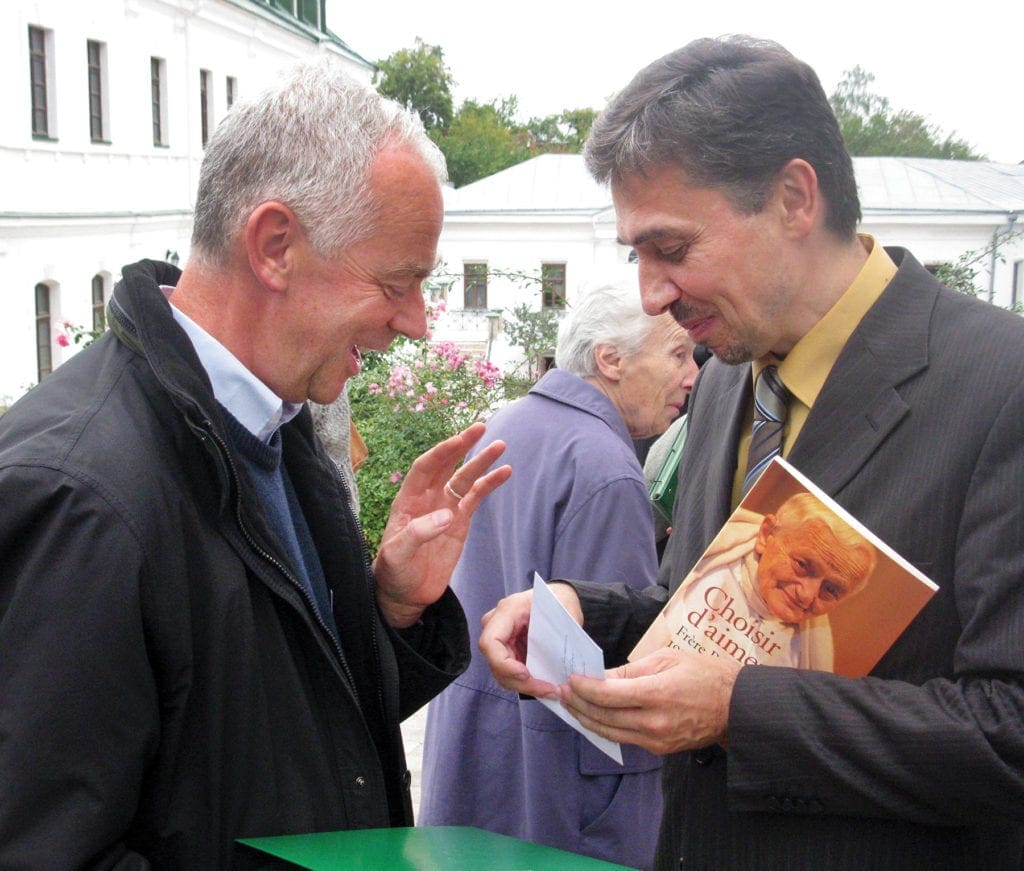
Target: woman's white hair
607, 312
309, 142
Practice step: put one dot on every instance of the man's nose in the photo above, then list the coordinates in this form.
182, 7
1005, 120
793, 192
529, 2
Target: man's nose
657, 290
411, 318
807, 591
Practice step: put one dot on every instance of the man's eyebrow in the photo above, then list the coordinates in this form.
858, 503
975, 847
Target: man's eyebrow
414, 269
650, 235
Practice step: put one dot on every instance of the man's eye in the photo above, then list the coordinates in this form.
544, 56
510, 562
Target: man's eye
674, 255
830, 592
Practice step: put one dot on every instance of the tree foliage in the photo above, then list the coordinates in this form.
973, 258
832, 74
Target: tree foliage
480, 138
481, 141
871, 127
419, 79
564, 133
533, 330
962, 275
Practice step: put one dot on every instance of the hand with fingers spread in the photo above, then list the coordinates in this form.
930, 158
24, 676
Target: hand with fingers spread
503, 640
669, 701
428, 523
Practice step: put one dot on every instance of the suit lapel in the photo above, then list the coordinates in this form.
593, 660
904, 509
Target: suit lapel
861, 402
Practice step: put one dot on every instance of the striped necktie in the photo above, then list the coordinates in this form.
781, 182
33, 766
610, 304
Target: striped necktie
770, 400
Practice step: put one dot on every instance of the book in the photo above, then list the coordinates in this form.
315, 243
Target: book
424, 848
792, 579
662, 491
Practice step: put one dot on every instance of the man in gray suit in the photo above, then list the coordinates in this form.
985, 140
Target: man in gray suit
732, 183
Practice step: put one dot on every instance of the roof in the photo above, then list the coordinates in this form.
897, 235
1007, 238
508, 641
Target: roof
548, 183
918, 184
560, 184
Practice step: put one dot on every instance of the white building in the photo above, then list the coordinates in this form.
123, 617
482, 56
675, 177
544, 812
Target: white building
548, 216
108, 105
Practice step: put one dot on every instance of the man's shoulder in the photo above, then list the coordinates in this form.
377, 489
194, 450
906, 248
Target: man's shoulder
93, 421
956, 324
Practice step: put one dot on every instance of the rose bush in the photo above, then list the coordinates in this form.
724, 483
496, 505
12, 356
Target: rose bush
409, 399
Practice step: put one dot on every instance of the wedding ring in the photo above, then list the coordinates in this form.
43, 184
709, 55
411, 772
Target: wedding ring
451, 491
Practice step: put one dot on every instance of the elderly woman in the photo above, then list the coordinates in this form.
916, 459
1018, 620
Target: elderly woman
575, 507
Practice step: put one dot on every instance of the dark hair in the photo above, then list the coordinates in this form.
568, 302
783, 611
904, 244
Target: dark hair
731, 113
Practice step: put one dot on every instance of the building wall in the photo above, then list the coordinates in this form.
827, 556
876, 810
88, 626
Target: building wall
71, 208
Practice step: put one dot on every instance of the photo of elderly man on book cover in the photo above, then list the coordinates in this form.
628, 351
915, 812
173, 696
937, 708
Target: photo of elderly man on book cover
792, 580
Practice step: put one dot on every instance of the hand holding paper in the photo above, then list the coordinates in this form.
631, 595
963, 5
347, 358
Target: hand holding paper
558, 647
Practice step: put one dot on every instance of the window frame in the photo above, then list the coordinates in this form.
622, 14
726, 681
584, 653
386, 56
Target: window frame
99, 303
474, 284
44, 330
96, 67
42, 96
158, 100
553, 287
205, 106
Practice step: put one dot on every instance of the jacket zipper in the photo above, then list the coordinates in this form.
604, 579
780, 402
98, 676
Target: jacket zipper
207, 431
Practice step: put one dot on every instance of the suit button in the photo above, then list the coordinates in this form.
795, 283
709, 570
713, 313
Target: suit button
705, 755
360, 781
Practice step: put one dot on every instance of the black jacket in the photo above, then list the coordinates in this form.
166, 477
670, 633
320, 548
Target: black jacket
165, 687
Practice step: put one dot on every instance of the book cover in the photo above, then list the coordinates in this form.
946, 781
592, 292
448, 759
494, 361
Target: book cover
792, 579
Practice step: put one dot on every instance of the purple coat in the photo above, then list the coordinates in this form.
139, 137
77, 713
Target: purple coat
575, 507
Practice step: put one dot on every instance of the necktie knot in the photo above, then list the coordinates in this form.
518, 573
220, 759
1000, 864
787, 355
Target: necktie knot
770, 401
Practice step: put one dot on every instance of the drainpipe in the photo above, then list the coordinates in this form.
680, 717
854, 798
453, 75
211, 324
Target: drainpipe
1006, 231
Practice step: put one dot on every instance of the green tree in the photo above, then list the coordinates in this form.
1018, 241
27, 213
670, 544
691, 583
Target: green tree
419, 79
564, 133
872, 128
533, 330
962, 275
481, 140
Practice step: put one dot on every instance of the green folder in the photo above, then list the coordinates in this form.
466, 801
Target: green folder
426, 848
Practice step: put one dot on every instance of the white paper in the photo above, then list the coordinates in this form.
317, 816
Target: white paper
557, 646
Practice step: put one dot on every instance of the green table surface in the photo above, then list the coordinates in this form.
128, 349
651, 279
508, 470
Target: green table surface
428, 848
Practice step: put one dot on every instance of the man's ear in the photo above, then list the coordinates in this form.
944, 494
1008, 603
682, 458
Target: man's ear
609, 362
764, 530
797, 198
270, 235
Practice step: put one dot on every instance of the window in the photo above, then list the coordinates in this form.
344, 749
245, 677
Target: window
474, 284
305, 10
41, 78
309, 11
552, 279
158, 95
99, 321
1017, 291
232, 90
44, 350
96, 58
205, 105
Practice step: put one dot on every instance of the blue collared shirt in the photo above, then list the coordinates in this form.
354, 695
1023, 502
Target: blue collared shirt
248, 399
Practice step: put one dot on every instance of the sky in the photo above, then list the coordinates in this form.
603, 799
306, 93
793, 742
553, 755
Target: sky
962, 69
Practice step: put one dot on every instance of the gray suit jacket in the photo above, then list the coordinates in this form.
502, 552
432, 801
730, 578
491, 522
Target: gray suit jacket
918, 432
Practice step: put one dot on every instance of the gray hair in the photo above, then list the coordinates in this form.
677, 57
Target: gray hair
606, 313
730, 113
309, 142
